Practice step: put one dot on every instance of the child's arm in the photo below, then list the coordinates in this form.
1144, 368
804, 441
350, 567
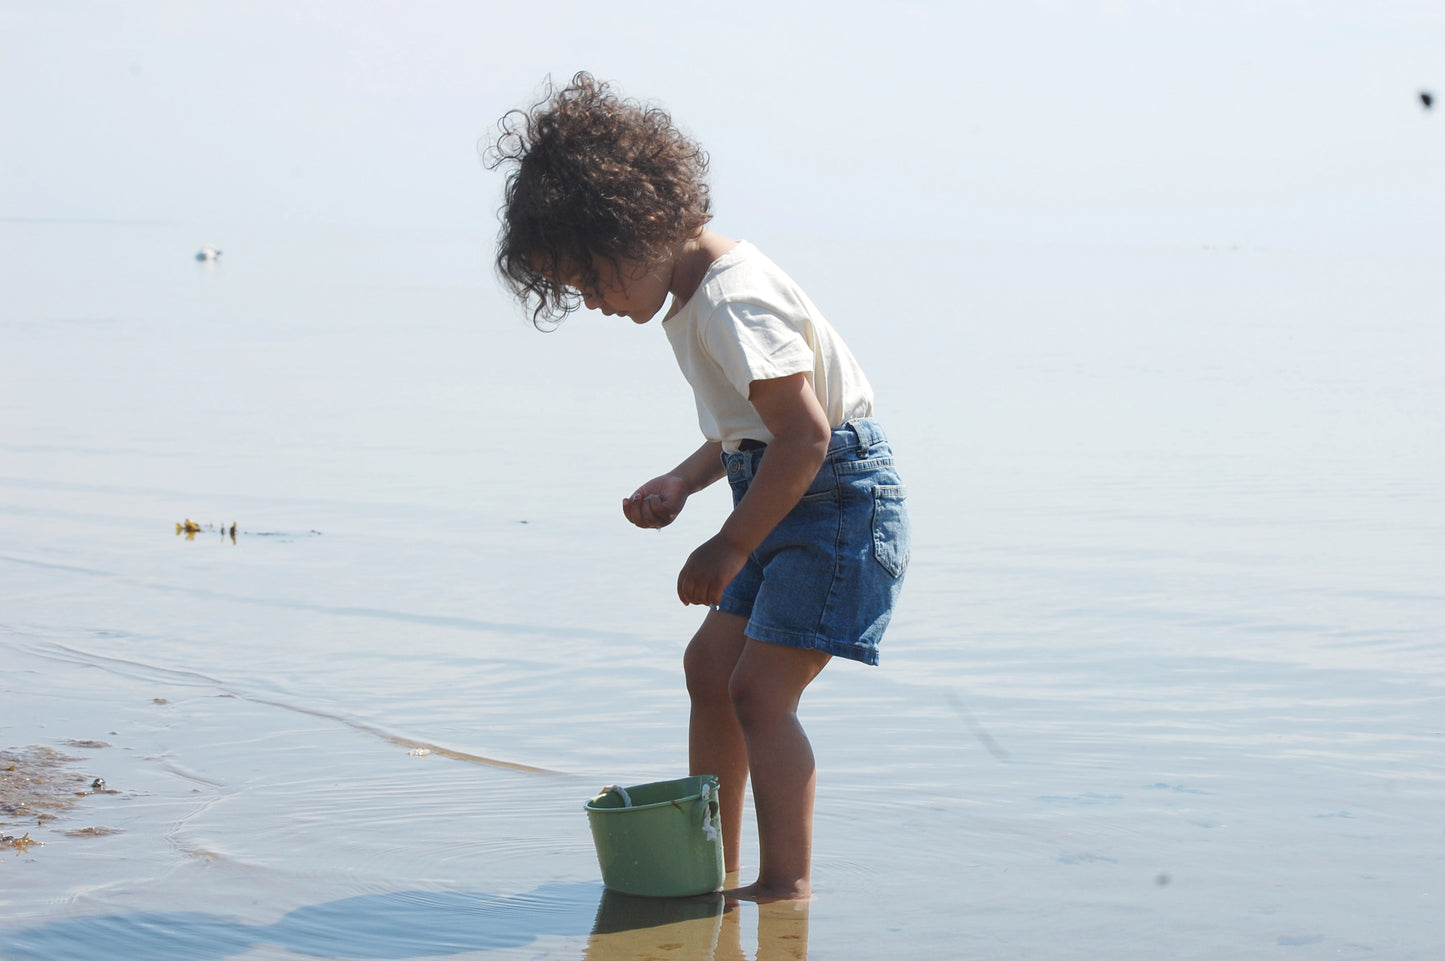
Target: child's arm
801, 433
658, 502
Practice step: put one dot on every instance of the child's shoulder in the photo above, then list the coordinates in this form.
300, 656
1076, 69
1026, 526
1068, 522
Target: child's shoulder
745, 274
743, 288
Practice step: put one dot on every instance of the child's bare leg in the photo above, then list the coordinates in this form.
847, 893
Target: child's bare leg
766, 685
715, 740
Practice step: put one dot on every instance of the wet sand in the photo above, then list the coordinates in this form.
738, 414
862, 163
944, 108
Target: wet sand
1166, 681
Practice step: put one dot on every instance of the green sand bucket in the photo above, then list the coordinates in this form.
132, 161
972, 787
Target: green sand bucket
659, 840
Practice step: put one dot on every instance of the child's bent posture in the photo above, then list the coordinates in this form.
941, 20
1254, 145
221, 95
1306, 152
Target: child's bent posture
606, 205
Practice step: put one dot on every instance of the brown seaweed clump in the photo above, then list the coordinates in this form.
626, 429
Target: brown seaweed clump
37, 785
22, 844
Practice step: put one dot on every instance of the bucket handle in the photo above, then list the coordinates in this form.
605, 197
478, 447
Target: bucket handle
708, 805
621, 791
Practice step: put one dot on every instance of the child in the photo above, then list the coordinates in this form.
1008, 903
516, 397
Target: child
607, 207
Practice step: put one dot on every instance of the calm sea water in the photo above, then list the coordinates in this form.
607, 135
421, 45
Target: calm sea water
1168, 679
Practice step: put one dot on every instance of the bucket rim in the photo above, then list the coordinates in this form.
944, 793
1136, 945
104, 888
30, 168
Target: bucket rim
670, 802
708, 779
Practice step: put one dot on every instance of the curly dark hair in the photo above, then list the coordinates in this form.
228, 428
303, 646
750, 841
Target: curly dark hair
595, 175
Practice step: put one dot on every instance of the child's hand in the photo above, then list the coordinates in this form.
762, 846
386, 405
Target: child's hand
709, 570
656, 503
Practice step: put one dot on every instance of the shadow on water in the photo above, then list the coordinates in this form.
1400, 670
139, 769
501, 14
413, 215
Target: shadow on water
424, 924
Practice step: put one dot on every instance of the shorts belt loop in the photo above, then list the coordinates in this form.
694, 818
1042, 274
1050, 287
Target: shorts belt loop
864, 435
868, 432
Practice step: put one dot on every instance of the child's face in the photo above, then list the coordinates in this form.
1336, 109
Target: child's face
629, 290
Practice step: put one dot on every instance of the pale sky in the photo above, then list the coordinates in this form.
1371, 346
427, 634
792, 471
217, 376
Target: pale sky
1258, 124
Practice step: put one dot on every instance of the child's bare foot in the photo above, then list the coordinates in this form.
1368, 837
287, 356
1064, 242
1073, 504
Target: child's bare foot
767, 893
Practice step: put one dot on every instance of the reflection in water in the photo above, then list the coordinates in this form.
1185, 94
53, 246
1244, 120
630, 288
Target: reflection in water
422, 924
629, 927
694, 929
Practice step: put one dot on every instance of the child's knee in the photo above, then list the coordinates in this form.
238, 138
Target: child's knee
768, 682
712, 655
756, 702
706, 678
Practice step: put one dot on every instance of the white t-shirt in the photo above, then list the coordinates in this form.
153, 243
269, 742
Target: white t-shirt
748, 321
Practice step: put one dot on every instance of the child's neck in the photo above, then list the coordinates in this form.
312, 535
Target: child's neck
691, 262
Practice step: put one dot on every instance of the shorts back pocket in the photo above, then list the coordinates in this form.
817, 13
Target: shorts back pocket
891, 543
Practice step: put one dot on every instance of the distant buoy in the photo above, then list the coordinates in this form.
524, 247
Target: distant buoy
208, 253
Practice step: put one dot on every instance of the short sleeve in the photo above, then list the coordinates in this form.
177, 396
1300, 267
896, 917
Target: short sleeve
751, 343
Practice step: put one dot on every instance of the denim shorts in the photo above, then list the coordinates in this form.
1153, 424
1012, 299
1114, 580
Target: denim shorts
828, 575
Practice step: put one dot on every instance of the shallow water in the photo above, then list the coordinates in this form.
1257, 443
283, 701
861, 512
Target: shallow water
1167, 678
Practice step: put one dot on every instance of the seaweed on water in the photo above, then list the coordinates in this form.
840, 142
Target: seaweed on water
190, 528
20, 844
38, 784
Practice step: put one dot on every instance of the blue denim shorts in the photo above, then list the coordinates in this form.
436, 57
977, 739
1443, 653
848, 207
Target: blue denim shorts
828, 575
